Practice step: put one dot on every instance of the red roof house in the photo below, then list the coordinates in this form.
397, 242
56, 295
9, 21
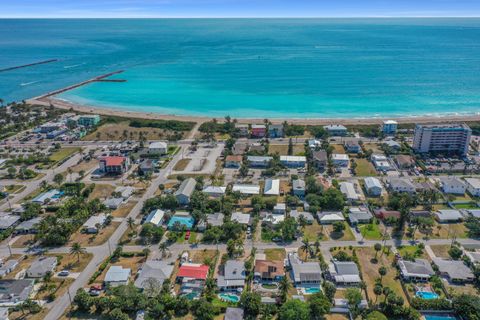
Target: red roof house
193, 271
114, 164
385, 214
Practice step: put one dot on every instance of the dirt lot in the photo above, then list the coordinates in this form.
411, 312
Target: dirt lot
441, 251
314, 232
445, 231
201, 255
275, 254
181, 164
282, 149
101, 191
71, 262
24, 241
85, 166
124, 210
91, 240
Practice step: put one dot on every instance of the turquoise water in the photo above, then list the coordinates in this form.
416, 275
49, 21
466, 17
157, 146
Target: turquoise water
186, 221
312, 290
295, 68
440, 317
229, 297
426, 295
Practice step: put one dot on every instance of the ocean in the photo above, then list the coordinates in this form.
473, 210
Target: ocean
275, 68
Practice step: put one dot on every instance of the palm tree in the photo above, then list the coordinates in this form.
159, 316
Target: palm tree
306, 247
77, 250
283, 287
131, 223
146, 253
382, 271
163, 249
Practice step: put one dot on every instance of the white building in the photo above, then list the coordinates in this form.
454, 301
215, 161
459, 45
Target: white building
158, 148
293, 161
94, 223
373, 186
272, 187
117, 276
340, 160
155, 217
247, 189
453, 185
348, 190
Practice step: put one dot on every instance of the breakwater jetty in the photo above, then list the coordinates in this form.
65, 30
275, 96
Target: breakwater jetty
28, 65
96, 79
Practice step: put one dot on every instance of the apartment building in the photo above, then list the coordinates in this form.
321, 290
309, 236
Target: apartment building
442, 138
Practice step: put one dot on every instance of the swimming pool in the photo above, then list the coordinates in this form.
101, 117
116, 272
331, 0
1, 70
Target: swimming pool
311, 290
439, 317
191, 295
427, 295
229, 297
182, 220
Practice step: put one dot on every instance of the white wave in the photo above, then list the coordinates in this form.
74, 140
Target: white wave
28, 83
73, 66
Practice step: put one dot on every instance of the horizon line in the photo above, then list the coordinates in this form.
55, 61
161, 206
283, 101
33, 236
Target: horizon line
247, 17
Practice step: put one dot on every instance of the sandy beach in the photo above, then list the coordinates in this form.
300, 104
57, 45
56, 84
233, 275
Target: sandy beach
62, 104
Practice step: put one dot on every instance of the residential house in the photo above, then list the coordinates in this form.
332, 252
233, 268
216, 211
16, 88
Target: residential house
473, 186
336, 130
280, 208
15, 291
298, 188
117, 276
259, 161
258, 130
246, 189
147, 166
234, 275
153, 269
340, 160
233, 161
242, 218
352, 146
344, 273
239, 148
8, 267
404, 161
320, 159
275, 131
233, 314
418, 270
314, 144
393, 145
383, 214
373, 186
185, 191
306, 215
125, 192
448, 216
155, 217
268, 271
330, 217
454, 270
193, 271
114, 165
272, 187
389, 127
242, 129
94, 223
381, 162
256, 147
357, 215
158, 148
304, 273
215, 191
41, 266
453, 185
349, 191
215, 219
401, 185
293, 161
28, 226
113, 203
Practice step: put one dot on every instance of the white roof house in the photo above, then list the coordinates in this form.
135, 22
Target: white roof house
117, 276
8, 221
215, 191
242, 218
373, 186
249, 189
155, 217
272, 187
473, 186
90, 226
293, 161
453, 185
185, 191
455, 271
348, 190
158, 147
113, 203
152, 269
340, 159
125, 192
329, 217
448, 215
40, 267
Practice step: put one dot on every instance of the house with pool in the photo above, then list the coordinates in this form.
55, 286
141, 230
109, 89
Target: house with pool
181, 221
419, 270
305, 275
192, 277
344, 273
233, 277
268, 271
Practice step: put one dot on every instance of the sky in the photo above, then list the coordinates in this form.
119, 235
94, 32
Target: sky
236, 8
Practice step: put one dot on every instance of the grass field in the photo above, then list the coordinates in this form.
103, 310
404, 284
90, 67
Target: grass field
124, 210
346, 235
14, 188
71, 262
181, 164
275, 254
441, 250
314, 232
371, 231
338, 148
101, 191
282, 149
364, 168
122, 131
89, 240
63, 153
412, 251
445, 231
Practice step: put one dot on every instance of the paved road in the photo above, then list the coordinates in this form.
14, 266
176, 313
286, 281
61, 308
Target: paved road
31, 186
102, 252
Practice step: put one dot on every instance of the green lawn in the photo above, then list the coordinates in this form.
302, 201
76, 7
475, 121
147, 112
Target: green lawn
466, 206
364, 168
371, 231
275, 254
413, 251
63, 153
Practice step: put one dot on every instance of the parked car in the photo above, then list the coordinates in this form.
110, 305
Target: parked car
187, 235
64, 273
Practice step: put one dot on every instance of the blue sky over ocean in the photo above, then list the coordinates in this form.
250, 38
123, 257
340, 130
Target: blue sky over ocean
237, 8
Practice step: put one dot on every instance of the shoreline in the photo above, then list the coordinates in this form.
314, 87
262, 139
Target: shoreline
66, 105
